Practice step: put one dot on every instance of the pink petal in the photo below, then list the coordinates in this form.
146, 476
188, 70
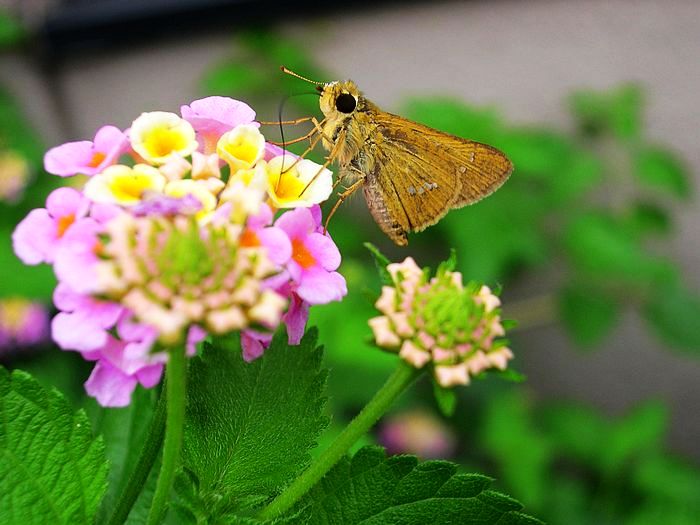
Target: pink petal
104, 213
323, 250
261, 219
110, 386
317, 217
149, 376
279, 249
296, 318
34, 239
195, 335
64, 202
112, 142
217, 115
76, 259
68, 159
297, 223
272, 151
102, 313
254, 344
318, 286
76, 331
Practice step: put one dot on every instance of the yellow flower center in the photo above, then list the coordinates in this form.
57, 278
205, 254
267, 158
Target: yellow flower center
130, 187
302, 255
160, 142
288, 186
242, 149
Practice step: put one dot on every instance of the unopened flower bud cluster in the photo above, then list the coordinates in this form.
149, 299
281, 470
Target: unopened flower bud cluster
439, 322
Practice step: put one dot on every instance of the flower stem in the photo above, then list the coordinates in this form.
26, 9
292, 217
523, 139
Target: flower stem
175, 388
144, 464
397, 382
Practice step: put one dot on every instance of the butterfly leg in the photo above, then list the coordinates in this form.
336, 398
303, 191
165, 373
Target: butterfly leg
341, 198
285, 122
330, 158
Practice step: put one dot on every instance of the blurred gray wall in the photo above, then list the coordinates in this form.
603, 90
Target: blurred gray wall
522, 57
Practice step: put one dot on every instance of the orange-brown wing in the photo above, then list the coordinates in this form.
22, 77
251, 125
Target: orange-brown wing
421, 173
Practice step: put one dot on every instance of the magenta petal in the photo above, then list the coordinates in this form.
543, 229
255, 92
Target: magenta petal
297, 223
112, 142
63, 202
110, 386
34, 239
217, 115
254, 344
104, 213
317, 216
68, 159
296, 319
261, 219
324, 251
76, 259
149, 376
195, 335
66, 299
272, 151
320, 287
279, 249
76, 331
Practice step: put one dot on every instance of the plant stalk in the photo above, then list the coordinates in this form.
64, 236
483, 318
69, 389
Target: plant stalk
398, 381
144, 464
175, 370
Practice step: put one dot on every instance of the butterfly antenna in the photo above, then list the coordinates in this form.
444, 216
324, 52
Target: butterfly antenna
290, 72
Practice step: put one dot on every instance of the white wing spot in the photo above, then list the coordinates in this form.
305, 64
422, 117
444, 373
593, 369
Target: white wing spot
463, 169
471, 156
411, 190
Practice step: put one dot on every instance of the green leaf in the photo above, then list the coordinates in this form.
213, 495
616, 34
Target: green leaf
600, 246
587, 314
381, 262
52, 469
11, 31
660, 169
249, 426
645, 218
524, 454
372, 488
618, 111
673, 312
608, 445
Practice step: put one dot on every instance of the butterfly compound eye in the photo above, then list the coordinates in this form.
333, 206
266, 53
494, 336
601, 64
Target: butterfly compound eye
345, 103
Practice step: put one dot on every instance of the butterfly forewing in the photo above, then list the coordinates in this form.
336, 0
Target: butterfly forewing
423, 173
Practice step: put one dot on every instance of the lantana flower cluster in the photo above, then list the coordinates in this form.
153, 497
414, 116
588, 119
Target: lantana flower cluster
188, 225
439, 322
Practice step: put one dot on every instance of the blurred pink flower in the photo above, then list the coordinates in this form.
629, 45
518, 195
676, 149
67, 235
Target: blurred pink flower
22, 323
87, 157
418, 432
211, 117
315, 257
37, 237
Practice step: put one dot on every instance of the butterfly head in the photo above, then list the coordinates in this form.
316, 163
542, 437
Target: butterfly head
339, 98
